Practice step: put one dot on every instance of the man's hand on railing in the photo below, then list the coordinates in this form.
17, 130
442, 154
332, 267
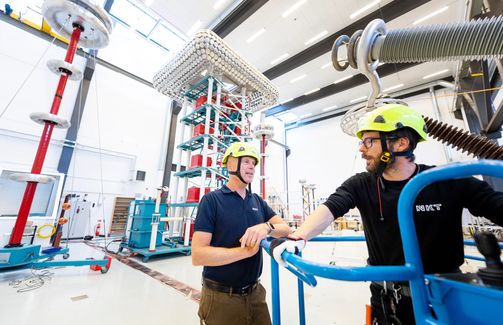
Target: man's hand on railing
292, 244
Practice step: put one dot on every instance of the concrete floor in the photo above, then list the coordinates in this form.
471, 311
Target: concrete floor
77, 295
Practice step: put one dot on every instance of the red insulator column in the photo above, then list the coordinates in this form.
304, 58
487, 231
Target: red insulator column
29, 193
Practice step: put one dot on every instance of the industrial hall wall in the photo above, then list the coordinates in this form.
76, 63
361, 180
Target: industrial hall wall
333, 156
126, 119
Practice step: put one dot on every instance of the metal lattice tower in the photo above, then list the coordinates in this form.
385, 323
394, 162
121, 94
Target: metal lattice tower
215, 109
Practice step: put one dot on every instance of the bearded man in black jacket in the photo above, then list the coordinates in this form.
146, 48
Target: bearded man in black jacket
389, 135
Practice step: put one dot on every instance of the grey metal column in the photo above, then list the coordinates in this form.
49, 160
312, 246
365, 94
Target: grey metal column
168, 164
108, 5
78, 110
480, 112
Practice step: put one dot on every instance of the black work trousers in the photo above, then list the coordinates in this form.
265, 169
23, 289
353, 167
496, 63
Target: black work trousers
382, 311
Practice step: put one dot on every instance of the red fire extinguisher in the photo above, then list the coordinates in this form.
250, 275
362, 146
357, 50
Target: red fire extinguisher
97, 229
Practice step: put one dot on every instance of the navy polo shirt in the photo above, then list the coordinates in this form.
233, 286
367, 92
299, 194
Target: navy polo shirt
226, 215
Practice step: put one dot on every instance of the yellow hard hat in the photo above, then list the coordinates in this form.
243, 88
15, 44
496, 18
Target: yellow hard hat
240, 149
391, 117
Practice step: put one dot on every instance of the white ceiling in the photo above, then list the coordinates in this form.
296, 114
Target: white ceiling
183, 14
288, 35
317, 77
409, 78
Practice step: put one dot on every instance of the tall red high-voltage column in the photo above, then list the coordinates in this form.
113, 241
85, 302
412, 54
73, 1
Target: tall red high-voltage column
263, 132
262, 167
29, 193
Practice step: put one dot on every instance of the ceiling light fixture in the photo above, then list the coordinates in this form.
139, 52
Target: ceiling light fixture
316, 37
435, 74
204, 73
281, 57
344, 78
363, 9
298, 78
428, 16
254, 36
194, 27
312, 91
293, 8
393, 87
358, 99
306, 115
326, 109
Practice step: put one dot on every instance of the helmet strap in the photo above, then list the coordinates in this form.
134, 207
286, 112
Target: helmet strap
386, 156
238, 172
406, 153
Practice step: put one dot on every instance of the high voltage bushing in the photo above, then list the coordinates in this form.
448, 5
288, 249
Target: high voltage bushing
471, 40
86, 24
463, 140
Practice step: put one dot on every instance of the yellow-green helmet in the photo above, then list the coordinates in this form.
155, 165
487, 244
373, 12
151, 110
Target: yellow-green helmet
391, 117
240, 149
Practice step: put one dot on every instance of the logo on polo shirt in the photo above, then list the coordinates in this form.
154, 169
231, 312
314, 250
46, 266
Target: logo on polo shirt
428, 207
254, 209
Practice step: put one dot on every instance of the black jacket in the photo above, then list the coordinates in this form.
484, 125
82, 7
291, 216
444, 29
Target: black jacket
437, 216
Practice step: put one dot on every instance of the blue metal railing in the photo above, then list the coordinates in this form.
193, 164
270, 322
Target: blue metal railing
406, 221
412, 270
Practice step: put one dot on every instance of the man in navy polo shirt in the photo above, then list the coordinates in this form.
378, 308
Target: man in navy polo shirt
230, 224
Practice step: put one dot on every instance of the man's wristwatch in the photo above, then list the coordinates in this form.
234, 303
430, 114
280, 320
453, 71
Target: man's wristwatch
271, 227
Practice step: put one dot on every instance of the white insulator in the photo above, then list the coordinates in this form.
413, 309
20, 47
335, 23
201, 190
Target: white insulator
61, 66
63, 15
44, 117
35, 178
264, 129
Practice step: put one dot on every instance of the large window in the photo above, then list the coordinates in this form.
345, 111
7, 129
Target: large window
165, 37
134, 16
139, 18
30, 10
140, 42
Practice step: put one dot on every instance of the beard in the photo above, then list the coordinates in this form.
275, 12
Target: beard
371, 163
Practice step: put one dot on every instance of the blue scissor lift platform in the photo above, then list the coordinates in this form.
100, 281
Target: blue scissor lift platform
455, 298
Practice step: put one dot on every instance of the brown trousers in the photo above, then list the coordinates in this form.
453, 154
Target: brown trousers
218, 308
